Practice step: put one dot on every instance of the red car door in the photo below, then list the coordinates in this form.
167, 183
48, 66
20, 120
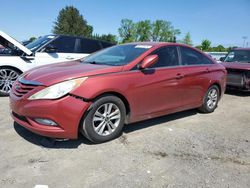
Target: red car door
158, 89
197, 76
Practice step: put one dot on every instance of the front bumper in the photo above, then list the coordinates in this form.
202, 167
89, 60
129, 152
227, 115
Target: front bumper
66, 112
238, 80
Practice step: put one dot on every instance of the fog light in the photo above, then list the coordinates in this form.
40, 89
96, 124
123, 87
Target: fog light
46, 122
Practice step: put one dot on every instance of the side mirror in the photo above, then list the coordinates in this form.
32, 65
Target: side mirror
50, 49
148, 61
222, 58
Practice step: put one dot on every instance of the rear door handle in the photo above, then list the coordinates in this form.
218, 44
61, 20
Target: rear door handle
179, 76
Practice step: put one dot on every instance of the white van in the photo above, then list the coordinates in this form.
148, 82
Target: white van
44, 50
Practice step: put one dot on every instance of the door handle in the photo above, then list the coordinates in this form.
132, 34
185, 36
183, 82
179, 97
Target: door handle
179, 76
69, 58
207, 70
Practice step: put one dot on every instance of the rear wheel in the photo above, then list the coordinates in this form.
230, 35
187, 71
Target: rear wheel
7, 77
210, 100
105, 119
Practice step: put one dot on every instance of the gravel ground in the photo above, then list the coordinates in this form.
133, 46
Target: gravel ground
186, 149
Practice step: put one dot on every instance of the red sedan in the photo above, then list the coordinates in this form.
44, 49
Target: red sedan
121, 84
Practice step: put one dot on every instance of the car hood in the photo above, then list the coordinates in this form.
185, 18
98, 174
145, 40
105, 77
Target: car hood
236, 65
52, 74
9, 42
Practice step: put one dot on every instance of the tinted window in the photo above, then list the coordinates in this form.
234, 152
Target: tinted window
168, 56
238, 56
90, 46
106, 44
64, 44
192, 57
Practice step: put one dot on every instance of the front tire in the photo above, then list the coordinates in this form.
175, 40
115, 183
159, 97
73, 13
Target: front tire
210, 100
104, 120
7, 77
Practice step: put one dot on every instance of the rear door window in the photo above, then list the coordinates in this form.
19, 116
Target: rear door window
192, 57
64, 44
89, 46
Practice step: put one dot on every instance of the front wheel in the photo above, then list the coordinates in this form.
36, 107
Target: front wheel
7, 77
104, 120
210, 100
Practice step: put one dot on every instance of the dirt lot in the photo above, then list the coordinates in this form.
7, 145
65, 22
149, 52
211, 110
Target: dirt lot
186, 149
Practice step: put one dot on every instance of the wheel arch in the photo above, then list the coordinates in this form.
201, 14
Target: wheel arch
11, 67
119, 95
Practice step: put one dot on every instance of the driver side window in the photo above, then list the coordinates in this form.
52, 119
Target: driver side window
168, 57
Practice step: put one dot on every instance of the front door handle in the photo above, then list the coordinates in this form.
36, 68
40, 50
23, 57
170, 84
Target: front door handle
179, 76
207, 70
69, 58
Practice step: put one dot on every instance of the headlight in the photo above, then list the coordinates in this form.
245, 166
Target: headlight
58, 90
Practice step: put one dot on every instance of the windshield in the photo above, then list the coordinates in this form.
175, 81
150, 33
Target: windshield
117, 55
238, 56
36, 44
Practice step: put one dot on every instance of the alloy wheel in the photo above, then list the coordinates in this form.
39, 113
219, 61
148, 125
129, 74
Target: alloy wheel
7, 78
212, 98
106, 119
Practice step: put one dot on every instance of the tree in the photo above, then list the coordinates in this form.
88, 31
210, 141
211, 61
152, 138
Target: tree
109, 38
187, 39
127, 30
71, 22
206, 45
32, 39
143, 30
163, 31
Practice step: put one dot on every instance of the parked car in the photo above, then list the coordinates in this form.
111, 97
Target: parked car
18, 58
237, 63
121, 84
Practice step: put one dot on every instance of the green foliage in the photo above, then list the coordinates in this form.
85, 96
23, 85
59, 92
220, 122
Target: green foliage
71, 22
127, 30
163, 31
205, 45
143, 30
187, 40
159, 30
32, 39
109, 38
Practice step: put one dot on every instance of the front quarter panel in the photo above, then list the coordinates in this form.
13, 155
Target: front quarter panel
16, 62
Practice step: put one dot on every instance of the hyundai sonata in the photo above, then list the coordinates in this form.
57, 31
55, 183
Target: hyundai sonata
116, 86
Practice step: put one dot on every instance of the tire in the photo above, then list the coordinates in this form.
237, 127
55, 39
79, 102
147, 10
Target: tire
7, 77
104, 120
210, 100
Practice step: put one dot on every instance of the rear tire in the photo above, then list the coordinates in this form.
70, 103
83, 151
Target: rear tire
7, 77
210, 100
104, 120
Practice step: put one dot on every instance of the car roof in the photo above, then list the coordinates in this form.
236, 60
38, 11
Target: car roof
63, 35
248, 49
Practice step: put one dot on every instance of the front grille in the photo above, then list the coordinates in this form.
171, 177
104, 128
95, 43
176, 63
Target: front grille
21, 89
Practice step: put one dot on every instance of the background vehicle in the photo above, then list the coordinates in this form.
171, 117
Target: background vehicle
18, 58
237, 63
117, 85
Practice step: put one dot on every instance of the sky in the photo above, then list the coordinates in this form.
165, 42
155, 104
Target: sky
221, 21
